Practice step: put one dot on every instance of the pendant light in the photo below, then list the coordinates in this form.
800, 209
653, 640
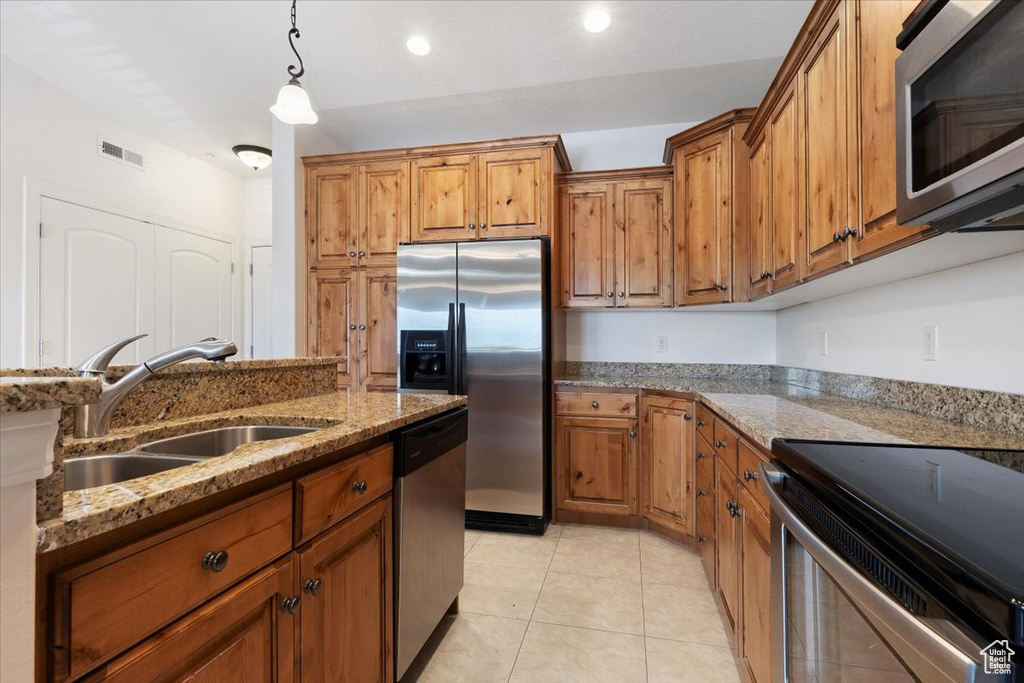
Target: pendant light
292, 101
253, 156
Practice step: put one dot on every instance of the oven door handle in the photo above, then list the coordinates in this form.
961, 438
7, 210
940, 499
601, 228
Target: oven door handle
930, 656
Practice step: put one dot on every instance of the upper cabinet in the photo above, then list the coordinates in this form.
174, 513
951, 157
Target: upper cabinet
383, 211
443, 199
710, 163
515, 194
617, 238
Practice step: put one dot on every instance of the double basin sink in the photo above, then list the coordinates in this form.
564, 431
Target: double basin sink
167, 454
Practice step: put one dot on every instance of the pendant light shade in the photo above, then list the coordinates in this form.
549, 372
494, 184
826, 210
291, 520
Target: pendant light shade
293, 105
253, 156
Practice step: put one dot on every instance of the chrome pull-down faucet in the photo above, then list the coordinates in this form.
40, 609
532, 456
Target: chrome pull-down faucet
94, 419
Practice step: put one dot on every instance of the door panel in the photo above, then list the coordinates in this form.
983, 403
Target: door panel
331, 319
666, 494
444, 199
501, 288
259, 310
760, 220
597, 465
704, 200
588, 258
786, 194
757, 587
513, 200
192, 289
644, 242
332, 201
378, 332
384, 221
727, 537
76, 290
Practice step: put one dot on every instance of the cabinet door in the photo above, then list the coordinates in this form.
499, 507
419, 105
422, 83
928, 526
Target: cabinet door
703, 201
587, 246
667, 471
597, 465
243, 635
704, 526
727, 536
872, 54
759, 203
331, 325
824, 149
757, 601
345, 632
643, 243
332, 214
444, 199
514, 200
384, 211
787, 218
378, 328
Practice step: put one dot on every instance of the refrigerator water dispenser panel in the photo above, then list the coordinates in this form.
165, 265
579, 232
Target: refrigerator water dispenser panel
425, 361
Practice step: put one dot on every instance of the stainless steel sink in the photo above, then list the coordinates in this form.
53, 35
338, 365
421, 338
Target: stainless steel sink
216, 442
97, 470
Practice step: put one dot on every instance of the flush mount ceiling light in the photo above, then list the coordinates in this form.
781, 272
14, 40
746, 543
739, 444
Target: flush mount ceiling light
597, 20
253, 156
292, 101
418, 45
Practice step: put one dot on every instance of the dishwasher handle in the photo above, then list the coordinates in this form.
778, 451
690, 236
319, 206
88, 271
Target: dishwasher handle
429, 439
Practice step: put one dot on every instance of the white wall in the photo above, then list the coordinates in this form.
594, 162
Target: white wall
693, 336
257, 203
596, 150
48, 135
978, 309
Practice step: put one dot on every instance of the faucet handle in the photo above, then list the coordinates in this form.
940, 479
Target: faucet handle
97, 363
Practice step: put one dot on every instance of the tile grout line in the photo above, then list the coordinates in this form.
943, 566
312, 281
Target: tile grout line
536, 600
643, 608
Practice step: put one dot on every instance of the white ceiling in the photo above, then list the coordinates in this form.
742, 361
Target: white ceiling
199, 76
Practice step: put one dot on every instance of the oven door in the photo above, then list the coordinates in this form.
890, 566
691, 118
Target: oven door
960, 118
832, 623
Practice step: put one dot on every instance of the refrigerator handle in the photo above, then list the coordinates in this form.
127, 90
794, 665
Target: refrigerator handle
451, 371
460, 385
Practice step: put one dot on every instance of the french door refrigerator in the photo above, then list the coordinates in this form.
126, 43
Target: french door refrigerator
473, 319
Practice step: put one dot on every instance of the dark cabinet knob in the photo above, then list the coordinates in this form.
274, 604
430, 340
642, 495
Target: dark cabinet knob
687, 416
215, 561
351, 327
701, 423
748, 475
733, 508
632, 433
622, 295
362, 254
359, 487
720, 287
611, 294
594, 404
849, 232
472, 226
721, 444
836, 237
579, 475
483, 226
290, 604
701, 493
352, 254
700, 456
362, 327
702, 539
312, 586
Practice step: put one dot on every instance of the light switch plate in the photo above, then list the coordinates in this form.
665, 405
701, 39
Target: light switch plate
931, 342
824, 343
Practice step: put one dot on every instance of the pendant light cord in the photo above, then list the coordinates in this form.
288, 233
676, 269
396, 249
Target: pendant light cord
294, 33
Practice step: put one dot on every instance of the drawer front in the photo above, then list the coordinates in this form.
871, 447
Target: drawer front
704, 491
705, 423
595, 404
750, 472
326, 497
116, 605
726, 443
704, 454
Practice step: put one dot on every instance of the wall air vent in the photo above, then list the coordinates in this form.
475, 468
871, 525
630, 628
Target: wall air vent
112, 150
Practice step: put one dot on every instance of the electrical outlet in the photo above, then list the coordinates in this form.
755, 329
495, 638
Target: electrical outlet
824, 343
662, 344
931, 342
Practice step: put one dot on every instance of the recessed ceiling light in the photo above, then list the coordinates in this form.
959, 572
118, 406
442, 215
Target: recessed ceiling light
597, 20
418, 45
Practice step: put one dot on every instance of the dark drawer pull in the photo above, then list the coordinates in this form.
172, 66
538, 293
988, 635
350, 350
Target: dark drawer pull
701, 423
700, 456
594, 404
313, 586
215, 561
702, 539
290, 604
721, 444
359, 487
701, 493
748, 475
687, 416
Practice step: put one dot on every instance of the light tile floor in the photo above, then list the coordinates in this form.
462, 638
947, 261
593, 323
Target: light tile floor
580, 603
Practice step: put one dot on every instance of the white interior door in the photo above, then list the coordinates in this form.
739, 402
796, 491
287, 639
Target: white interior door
95, 283
259, 301
192, 289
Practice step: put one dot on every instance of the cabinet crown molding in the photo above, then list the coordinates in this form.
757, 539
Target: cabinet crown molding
614, 175
720, 122
503, 144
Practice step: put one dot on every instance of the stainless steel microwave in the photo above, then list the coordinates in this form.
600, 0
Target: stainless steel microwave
960, 116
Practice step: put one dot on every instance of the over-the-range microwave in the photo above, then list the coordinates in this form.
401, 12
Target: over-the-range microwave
960, 116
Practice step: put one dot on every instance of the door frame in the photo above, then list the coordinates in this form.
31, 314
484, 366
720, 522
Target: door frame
33, 192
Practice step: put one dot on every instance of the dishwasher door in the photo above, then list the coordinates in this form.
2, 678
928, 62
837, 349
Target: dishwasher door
429, 535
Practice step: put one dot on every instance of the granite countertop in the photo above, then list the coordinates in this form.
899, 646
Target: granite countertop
190, 367
345, 419
767, 410
22, 394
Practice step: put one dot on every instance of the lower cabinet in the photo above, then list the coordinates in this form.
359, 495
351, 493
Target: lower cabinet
345, 573
757, 604
597, 464
667, 468
728, 538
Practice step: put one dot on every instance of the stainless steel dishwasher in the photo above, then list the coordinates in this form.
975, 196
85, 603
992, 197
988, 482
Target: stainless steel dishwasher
430, 521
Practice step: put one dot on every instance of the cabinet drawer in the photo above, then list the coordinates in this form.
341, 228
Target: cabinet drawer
704, 454
750, 472
705, 423
104, 607
333, 493
704, 491
595, 404
726, 444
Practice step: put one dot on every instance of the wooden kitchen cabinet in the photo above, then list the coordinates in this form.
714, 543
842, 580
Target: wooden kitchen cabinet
383, 212
444, 199
785, 193
514, 196
242, 635
617, 238
377, 329
345, 631
331, 313
728, 537
705, 523
667, 463
710, 196
757, 604
760, 220
597, 464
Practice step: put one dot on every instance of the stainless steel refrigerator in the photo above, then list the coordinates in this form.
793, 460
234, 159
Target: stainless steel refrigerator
473, 319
